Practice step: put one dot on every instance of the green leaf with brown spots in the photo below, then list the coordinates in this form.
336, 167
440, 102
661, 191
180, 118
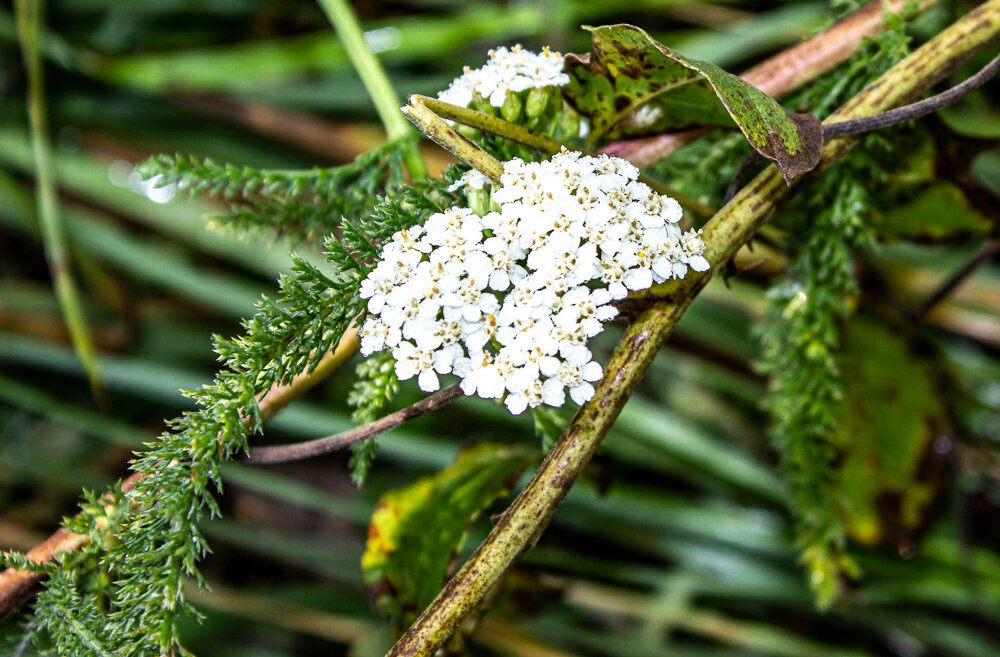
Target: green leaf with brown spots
415, 532
892, 426
631, 86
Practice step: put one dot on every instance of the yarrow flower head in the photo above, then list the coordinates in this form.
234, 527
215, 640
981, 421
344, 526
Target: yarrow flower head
508, 301
506, 70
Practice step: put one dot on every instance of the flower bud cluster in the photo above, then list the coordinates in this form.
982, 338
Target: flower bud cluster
506, 70
508, 301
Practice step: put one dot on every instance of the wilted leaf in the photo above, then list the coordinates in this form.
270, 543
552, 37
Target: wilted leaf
940, 211
631, 86
416, 531
890, 418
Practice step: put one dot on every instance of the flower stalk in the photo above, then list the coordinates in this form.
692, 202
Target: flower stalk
492, 124
438, 131
30, 17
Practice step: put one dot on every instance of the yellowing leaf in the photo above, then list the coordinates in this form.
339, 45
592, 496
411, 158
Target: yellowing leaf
416, 531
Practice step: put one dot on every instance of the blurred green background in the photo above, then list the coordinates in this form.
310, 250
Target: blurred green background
679, 542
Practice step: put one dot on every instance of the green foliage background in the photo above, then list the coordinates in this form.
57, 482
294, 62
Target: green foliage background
682, 541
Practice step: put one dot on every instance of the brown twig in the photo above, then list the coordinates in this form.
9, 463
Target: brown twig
16, 584
881, 120
984, 255
334, 140
785, 72
298, 451
913, 110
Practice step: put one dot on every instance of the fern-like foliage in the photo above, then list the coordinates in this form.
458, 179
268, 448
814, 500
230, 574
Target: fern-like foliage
826, 225
372, 391
301, 205
122, 594
800, 352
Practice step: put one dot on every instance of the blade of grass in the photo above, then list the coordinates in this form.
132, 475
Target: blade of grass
334, 557
762, 32
259, 64
274, 610
668, 432
120, 433
345, 22
131, 376
30, 16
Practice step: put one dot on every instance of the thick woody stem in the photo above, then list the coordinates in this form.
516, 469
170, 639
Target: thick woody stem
521, 525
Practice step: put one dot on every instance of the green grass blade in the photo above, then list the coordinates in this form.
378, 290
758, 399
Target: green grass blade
29, 22
376, 82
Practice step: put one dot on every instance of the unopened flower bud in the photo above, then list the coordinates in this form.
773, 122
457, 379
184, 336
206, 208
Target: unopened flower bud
511, 108
538, 101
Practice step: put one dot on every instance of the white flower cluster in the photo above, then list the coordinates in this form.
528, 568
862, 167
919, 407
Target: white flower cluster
515, 70
508, 301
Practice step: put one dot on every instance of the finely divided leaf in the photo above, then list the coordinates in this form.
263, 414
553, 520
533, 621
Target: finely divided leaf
631, 86
416, 531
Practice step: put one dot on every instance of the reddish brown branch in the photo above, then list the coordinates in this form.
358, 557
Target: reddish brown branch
298, 451
15, 584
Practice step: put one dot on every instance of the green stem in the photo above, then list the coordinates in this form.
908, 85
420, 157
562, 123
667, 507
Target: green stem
29, 27
451, 140
497, 126
491, 124
345, 22
521, 525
